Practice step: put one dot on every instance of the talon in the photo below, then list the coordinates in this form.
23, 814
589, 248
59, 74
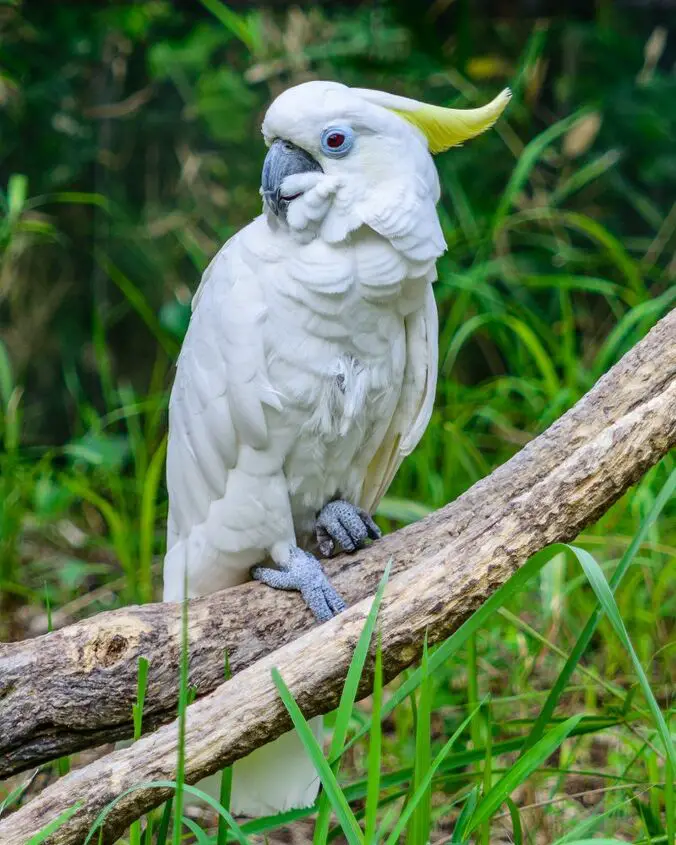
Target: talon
324, 541
303, 572
343, 523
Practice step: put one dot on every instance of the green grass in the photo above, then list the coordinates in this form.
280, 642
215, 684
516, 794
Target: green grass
477, 802
550, 712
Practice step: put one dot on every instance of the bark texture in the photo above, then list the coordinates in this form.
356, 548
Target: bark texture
75, 687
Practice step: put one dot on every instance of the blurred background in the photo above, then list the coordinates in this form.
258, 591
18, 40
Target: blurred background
130, 151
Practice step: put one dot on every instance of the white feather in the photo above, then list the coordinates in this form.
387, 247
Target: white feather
308, 371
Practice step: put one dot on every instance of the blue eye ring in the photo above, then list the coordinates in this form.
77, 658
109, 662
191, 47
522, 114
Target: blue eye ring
337, 141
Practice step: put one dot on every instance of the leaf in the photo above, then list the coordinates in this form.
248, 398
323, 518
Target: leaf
585, 827
612, 346
584, 175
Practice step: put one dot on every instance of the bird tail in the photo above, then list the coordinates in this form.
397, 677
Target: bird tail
279, 776
273, 779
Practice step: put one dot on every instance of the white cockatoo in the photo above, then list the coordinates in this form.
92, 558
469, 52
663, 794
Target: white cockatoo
309, 367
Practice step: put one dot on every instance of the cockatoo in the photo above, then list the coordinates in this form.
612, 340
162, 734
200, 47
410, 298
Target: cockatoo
309, 367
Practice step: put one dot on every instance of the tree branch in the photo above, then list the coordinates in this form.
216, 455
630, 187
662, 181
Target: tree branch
74, 688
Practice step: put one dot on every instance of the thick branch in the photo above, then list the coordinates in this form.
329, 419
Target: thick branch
79, 682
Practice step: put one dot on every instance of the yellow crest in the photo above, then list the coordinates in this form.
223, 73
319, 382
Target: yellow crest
443, 128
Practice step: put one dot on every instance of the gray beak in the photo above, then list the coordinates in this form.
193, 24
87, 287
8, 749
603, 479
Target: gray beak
283, 159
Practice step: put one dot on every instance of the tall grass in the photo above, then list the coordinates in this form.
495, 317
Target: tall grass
402, 801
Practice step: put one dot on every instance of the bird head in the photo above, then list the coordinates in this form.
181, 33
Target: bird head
331, 147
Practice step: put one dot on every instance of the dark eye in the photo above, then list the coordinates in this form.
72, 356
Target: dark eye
337, 141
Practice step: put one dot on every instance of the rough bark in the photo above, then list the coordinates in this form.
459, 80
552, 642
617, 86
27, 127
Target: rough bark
75, 687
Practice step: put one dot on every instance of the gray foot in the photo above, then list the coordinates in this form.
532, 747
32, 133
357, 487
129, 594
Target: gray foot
341, 522
304, 573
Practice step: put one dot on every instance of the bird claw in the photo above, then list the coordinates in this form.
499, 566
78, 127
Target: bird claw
346, 524
303, 572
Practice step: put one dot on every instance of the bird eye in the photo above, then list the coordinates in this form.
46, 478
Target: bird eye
337, 141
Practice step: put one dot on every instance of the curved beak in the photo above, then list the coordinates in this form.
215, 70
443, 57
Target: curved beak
283, 159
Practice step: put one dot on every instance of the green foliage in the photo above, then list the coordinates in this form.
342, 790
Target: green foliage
130, 151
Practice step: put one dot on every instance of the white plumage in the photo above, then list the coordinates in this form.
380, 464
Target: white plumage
308, 370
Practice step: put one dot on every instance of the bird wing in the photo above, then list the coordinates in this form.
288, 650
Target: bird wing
217, 422
416, 401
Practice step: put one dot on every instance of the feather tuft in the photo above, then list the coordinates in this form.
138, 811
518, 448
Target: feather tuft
442, 127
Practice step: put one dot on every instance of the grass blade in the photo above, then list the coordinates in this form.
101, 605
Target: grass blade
151, 485
163, 830
137, 716
201, 837
148, 832
354, 673
98, 822
418, 830
234, 23
449, 647
17, 192
487, 779
346, 817
15, 794
423, 789
517, 833
375, 751
598, 842
225, 791
183, 693
54, 825
140, 304
464, 817
527, 161
607, 602
584, 639
141, 686
521, 770
347, 700
670, 802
